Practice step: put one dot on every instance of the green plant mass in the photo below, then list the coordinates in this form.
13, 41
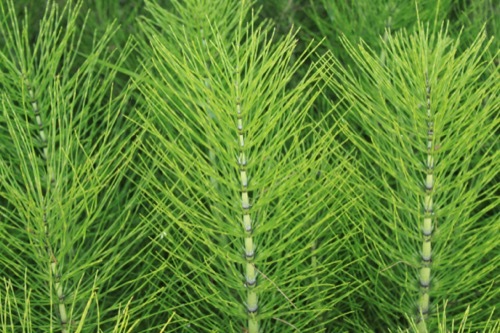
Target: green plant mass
249, 166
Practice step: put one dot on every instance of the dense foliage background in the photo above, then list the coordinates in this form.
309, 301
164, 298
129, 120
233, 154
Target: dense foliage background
249, 166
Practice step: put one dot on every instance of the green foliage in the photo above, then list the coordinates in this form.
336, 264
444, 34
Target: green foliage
430, 129
68, 215
205, 166
239, 175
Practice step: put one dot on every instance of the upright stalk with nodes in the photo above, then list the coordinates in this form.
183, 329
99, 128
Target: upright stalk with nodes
425, 129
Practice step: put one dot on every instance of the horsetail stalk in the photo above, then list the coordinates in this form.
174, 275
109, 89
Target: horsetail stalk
65, 147
429, 128
425, 270
249, 248
53, 267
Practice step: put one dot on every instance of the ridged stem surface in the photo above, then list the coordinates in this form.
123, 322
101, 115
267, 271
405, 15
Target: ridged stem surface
63, 317
249, 247
427, 228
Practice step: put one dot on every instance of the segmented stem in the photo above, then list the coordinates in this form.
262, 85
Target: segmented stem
428, 225
249, 248
63, 316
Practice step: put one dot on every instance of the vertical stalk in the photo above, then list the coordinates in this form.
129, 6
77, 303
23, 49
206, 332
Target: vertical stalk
425, 270
63, 317
249, 248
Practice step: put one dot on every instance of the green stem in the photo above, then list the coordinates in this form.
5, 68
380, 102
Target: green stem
425, 270
249, 251
63, 316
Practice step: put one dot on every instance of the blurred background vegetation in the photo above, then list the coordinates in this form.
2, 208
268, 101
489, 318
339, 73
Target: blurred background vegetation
319, 19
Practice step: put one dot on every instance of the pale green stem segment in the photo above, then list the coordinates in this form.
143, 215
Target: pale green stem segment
425, 270
63, 316
249, 248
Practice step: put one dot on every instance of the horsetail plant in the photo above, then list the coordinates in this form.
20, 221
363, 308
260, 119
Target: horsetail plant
65, 209
427, 125
271, 177
226, 189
